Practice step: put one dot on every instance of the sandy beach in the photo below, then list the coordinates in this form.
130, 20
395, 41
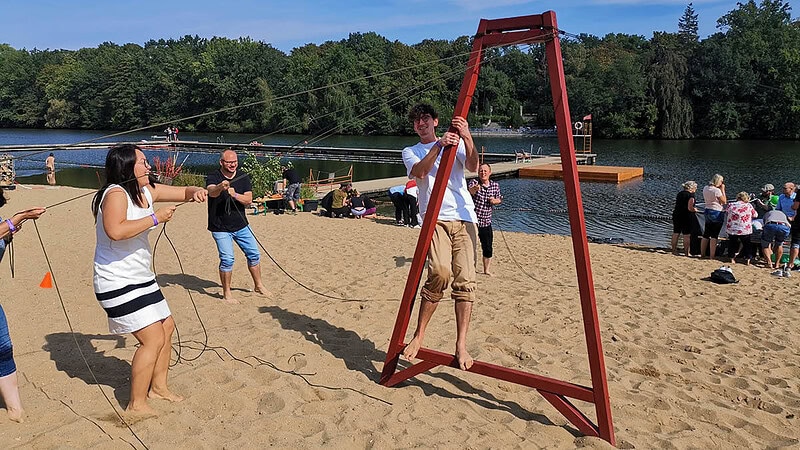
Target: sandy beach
690, 364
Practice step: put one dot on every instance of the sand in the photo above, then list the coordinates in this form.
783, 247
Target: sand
690, 364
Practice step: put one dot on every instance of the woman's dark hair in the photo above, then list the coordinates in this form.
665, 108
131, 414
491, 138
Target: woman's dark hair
2, 198
120, 161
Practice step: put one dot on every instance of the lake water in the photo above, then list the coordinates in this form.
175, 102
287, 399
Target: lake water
637, 211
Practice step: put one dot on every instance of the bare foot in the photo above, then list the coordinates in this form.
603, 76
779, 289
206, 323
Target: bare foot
488, 273
464, 360
230, 300
165, 394
17, 415
262, 291
410, 352
140, 413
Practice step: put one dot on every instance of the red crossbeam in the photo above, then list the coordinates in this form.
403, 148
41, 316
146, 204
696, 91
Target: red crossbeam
491, 33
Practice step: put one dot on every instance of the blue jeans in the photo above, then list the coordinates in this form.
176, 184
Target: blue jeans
7, 366
246, 241
774, 233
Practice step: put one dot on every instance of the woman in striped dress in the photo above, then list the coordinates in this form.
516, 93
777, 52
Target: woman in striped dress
124, 284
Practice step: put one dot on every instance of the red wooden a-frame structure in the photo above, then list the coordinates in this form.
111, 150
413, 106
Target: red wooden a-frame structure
494, 33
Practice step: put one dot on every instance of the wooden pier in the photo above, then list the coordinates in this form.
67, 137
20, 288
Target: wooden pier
374, 188
606, 174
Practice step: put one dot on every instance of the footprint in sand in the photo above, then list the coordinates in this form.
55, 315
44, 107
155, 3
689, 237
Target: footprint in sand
270, 404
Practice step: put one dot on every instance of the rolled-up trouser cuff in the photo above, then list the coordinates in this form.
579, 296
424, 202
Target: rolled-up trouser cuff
433, 297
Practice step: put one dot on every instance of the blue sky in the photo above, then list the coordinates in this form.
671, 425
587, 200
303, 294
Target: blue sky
57, 24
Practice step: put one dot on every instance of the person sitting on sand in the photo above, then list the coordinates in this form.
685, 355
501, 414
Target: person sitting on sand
124, 284
339, 206
9, 386
372, 209
230, 191
452, 253
740, 227
412, 204
356, 202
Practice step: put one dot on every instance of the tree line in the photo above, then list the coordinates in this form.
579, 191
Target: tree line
741, 82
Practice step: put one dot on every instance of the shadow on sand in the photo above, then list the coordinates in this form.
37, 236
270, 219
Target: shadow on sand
109, 370
193, 283
362, 356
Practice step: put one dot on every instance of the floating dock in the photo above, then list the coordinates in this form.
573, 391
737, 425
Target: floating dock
605, 174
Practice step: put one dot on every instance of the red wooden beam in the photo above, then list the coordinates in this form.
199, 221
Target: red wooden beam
580, 243
534, 28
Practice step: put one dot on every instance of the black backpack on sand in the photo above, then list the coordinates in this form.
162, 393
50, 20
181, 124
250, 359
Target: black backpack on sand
723, 275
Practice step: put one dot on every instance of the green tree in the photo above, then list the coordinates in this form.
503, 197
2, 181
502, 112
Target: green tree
668, 73
688, 25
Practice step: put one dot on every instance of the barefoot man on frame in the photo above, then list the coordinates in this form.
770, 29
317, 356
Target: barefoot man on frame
451, 258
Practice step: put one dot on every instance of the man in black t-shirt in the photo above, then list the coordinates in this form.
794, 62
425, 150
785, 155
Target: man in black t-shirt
292, 182
229, 192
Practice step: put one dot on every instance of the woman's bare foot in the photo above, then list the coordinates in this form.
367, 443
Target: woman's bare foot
410, 352
488, 273
164, 394
16, 414
140, 412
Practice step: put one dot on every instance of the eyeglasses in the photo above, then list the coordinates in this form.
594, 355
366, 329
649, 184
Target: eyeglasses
143, 162
423, 118
230, 162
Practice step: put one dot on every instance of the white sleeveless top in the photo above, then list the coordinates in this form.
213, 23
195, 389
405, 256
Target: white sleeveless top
124, 284
124, 262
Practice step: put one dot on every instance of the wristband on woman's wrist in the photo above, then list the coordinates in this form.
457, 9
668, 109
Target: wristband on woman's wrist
235, 195
155, 220
11, 226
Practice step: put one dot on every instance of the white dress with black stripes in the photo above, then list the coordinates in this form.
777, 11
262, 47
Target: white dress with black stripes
124, 284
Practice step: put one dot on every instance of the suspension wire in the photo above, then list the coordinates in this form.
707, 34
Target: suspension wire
205, 347
75, 339
401, 96
248, 104
255, 103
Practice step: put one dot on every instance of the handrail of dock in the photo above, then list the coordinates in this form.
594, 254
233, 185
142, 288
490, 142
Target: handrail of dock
378, 155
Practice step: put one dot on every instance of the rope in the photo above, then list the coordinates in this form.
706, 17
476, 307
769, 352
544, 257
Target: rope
77, 345
590, 213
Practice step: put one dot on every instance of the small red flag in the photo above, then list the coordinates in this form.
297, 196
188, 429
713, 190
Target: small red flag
587, 117
47, 281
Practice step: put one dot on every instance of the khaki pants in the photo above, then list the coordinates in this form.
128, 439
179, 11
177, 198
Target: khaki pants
452, 256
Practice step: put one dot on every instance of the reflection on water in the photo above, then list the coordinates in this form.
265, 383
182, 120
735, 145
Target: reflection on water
637, 211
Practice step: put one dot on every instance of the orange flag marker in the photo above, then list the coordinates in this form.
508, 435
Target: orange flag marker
47, 281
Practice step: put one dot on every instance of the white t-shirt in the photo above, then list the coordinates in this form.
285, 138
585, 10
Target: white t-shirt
457, 202
711, 195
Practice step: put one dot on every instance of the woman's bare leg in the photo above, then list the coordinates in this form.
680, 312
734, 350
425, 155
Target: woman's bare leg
158, 385
151, 340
